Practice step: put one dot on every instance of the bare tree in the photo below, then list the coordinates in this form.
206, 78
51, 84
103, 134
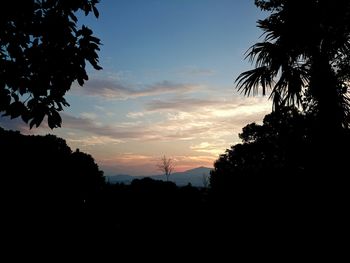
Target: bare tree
166, 165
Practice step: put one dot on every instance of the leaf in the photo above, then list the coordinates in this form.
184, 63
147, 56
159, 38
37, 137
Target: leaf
96, 13
31, 124
15, 97
25, 117
5, 99
64, 102
94, 39
37, 120
54, 119
252, 80
73, 17
80, 81
97, 67
16, 109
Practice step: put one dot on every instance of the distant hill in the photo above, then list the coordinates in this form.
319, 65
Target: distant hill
193, 176
120, 178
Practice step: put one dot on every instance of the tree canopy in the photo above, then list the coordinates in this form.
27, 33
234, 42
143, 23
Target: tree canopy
42, 52
305, 51
277, 148
43, 169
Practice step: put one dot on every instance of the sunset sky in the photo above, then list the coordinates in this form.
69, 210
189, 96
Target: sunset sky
167, 85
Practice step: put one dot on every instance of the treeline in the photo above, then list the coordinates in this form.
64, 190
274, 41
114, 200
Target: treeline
45, 168
269, 181
51, 190
283, 179
46, 187
282, 159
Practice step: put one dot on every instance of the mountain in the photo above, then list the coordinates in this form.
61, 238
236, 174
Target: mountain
193, 176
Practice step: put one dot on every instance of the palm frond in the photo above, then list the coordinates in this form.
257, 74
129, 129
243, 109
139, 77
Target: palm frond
250, 81
273, 27
289, 88
268, 54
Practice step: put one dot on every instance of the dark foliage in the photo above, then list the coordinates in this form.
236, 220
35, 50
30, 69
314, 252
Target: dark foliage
52, 193
292, 167
305, 49
42, 52
271, 151
46, 187
281, 171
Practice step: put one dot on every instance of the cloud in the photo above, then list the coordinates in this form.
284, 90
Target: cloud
135, 115
195, 129
197, 119
112, 89
179, 104
78, 123
214, 149
178, 120
89, 115
193, 103
94, 140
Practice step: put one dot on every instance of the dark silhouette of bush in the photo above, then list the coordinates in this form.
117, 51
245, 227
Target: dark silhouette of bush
275, 149
89, 180
46, 187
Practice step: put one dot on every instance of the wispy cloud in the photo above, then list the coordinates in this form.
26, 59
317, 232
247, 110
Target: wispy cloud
89, 115
112, 89
135, 115
180, 104
94, 140
183, 104
183, 120
213, 148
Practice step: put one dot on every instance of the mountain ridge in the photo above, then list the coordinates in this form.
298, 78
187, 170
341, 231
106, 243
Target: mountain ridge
193, 176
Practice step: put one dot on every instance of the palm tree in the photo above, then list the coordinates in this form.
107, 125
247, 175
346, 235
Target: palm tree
305, 54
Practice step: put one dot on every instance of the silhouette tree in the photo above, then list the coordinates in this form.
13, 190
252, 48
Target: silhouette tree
166, 165
279, 148
306, 49
42, 52
86, 177
43, 171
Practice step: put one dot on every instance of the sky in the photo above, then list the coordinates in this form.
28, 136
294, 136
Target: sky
167, 86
